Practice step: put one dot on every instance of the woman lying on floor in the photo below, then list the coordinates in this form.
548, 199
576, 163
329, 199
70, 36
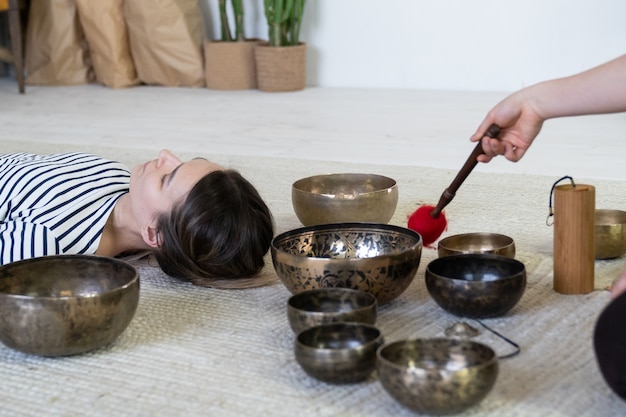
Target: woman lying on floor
203, 223
520, 116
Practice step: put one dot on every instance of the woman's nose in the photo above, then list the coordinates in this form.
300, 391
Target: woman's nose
166, 158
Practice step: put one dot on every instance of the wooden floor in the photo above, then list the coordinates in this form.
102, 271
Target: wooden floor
399, 127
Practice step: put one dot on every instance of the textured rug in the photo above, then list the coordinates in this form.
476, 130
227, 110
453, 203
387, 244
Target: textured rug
193, 351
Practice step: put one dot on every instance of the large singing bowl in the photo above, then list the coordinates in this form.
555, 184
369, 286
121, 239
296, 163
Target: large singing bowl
344, 198
379, 259
66, 304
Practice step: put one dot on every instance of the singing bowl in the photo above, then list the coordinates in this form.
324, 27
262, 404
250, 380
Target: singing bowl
437, 376
610, 233
492, 243
379, 259
476, 285
338, 352
344, 198
330, 305
66, 304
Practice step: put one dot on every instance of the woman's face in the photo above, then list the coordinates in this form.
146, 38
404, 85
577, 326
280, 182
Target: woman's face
157, 185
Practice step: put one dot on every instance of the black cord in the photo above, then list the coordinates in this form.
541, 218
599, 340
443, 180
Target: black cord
550, 211
506, 339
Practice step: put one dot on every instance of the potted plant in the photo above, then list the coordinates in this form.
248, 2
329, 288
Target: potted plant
281, 62
229, 62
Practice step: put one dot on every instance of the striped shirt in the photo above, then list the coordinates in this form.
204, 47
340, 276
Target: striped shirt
56, 204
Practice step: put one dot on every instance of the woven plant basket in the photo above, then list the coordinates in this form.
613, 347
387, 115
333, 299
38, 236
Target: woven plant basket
281, 68
230, 65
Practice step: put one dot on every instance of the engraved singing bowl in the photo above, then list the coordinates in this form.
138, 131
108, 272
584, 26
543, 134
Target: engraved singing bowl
493, 243
330, 305
344, 198
437, 376
610, 233
379, 259
66, 304
476, 285
338, 353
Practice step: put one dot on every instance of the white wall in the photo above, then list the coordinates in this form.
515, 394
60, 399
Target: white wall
472, 45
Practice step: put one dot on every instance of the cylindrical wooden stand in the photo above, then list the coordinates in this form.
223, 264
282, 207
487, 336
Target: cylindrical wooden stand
574, 246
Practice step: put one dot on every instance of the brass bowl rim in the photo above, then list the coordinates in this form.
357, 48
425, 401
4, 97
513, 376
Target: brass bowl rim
601, 212
372, 302
431, 340
370, 227
471, 234
100, 259
297, 185
344, 324
486, 256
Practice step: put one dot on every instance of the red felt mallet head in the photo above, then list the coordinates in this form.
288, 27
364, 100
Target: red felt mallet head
428, 226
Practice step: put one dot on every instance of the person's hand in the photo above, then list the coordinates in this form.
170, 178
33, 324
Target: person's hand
619, 286
519, 124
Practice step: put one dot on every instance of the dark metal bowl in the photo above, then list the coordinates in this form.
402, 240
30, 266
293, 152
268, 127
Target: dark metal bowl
437, 376
379, 259
66, 304
346, 197
610, 233
338, 352
476, 285
330, 305
493, 243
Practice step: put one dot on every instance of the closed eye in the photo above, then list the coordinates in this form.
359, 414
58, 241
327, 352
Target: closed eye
170, 176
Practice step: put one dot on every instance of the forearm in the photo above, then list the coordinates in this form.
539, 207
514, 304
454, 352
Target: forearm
598, 90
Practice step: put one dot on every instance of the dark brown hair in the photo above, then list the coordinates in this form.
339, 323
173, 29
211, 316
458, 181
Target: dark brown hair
218, 235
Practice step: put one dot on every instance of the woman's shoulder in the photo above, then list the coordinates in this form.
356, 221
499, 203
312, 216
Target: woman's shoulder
66, 159
18, 157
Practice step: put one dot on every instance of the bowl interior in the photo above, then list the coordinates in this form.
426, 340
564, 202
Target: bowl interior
346, 186
65, 276
338, 336
478, 243
437, 354
331, 300
348, 240
476, 267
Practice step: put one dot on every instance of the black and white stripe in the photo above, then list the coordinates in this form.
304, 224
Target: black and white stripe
56, 204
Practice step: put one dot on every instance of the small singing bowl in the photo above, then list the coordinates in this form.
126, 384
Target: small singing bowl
492, 243
338, 353
476, 285
379, 259
344, 198
330, 305
610, 233
66, 304
437, 376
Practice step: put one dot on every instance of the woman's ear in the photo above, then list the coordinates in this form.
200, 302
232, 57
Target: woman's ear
150, 235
